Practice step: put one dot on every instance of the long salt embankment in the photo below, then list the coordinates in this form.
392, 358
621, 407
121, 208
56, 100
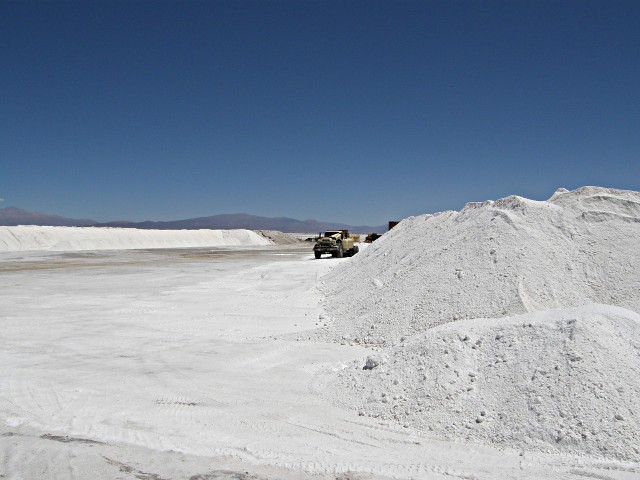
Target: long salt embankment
22, 238
512, 322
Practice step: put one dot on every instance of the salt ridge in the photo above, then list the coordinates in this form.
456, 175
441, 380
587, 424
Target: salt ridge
29, 237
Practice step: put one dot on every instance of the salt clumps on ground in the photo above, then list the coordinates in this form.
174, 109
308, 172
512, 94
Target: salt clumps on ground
512, 322
563, 380
28, 237
492, 259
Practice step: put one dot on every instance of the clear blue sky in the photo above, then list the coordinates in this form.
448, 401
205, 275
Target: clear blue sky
352, 111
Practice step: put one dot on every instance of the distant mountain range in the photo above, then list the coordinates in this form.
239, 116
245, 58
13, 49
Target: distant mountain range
11, 216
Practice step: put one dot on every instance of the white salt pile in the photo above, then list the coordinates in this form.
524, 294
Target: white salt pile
491, 259
512, 322
279, 238
30, 237
564, 380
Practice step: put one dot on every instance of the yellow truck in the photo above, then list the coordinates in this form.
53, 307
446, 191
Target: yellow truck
336, 242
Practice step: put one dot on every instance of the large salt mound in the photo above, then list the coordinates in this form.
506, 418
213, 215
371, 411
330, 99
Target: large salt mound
491, 259
95, 238
563, 380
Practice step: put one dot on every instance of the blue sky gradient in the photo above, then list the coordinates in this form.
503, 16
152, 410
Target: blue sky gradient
350, 111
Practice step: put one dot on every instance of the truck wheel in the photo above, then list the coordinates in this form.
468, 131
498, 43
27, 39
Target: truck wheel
340, 252
317, 254
356, 249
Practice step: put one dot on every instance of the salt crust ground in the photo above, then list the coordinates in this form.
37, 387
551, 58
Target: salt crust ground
557, 378
160, 365
171, 364
28, 237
